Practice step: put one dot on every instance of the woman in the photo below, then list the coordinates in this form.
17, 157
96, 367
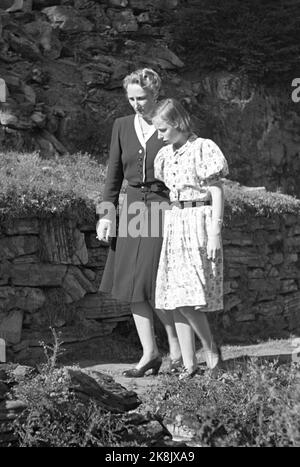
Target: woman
190, 273
130, 271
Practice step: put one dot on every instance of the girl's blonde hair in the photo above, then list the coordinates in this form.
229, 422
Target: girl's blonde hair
146, 78
173, 113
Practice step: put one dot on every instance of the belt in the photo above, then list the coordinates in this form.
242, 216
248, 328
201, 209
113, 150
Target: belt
190, 204
155, 187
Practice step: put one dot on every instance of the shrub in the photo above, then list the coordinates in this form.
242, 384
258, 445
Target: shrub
256, 404
54, 417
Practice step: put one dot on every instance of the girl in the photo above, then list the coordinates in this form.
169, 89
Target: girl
190, 272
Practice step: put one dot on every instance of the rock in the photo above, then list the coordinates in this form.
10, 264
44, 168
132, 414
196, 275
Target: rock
123, 20
111, 396
26, 298
51, 142
144, 5
40, 4
3, 90
20, 5
24, 45
76, 284
11, 326
11, 247
62, 243
67, 19
36, 275
118, 3
183, 427
99, 306
93, 76
46, 37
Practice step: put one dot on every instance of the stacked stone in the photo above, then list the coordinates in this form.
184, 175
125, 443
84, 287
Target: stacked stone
262, 277
50, 271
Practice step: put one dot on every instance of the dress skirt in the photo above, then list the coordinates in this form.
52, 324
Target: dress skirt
186, 277
131, 267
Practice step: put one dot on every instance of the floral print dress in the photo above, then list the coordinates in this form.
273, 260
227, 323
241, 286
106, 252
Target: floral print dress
186, 277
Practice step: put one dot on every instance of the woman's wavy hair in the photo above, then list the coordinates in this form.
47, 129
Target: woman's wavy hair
172, 112
146, 78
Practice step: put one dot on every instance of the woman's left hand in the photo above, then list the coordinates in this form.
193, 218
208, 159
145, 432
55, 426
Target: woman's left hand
213, 246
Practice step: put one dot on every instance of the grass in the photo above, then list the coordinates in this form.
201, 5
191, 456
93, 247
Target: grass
71, 185
32, 186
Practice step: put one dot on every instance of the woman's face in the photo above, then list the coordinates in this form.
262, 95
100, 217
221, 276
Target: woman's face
141, 100
168, 133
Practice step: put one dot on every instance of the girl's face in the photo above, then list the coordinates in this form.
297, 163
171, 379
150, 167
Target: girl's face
141, 100
168, 133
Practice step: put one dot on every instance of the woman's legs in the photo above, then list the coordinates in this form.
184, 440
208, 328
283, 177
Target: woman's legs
186, 338
143, 317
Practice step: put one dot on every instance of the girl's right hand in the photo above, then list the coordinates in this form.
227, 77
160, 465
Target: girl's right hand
103, 229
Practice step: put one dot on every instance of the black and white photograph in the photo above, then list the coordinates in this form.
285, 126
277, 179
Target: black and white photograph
149, 226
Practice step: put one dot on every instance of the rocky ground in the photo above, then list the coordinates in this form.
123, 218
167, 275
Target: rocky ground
105, 385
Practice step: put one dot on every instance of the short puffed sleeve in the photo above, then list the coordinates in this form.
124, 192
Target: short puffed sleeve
159, 165
211, 165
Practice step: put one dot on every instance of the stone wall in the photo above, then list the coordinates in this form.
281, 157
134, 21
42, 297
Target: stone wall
50, 271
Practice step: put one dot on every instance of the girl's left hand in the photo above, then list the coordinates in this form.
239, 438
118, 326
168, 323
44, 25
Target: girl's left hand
213, 246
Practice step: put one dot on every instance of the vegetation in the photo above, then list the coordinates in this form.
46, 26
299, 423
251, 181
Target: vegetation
72, 184
241, 200
53, 416
33, 186
254, 404
258, 38
251, 403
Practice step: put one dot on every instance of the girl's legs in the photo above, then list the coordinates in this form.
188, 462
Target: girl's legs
198, 321
186, 338
167, 319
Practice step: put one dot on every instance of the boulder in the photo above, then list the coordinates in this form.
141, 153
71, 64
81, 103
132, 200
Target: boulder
19, 245
76, 284
36, 275
28, 299
11, 326
67, 19
46, 37
123, 20
62, 243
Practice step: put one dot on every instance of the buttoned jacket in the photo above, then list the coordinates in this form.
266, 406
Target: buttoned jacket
130, 157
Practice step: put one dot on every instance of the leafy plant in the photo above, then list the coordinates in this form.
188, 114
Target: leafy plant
253, 404
54, 416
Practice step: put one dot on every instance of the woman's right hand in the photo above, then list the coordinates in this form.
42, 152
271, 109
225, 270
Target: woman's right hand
104, 229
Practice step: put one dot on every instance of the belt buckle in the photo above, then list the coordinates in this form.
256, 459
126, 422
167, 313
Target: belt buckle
177, 204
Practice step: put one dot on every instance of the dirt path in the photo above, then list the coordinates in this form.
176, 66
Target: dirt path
285, 350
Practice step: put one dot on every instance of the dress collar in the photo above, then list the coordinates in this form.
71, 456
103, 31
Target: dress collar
139, 132
183, 148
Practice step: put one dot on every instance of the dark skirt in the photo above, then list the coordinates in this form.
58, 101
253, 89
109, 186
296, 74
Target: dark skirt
131, 267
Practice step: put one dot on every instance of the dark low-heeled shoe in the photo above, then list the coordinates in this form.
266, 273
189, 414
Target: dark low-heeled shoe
153, 365
188, 373
175, 365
